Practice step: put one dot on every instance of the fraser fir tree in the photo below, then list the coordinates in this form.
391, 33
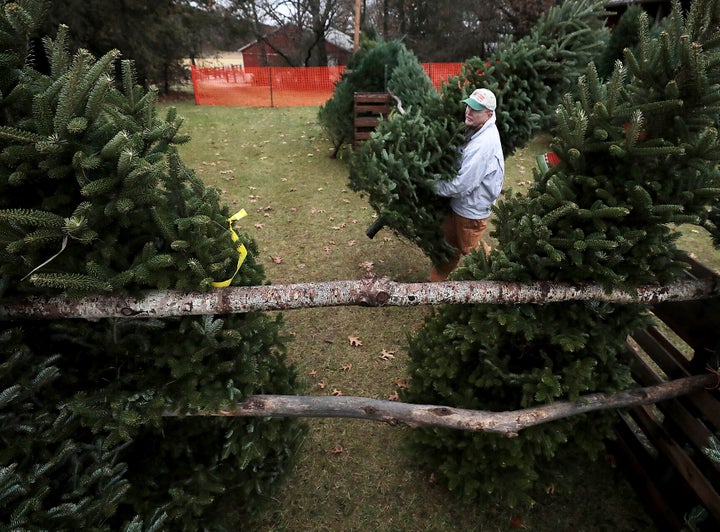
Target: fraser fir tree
528, 77
638, 154
95, 198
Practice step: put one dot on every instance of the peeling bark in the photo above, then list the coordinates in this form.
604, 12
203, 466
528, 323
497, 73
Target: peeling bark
508, 423
366, 292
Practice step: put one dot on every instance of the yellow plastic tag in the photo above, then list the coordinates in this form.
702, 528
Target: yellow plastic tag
242, 252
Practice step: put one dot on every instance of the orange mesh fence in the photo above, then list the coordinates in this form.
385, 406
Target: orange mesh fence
439, 72
281, 86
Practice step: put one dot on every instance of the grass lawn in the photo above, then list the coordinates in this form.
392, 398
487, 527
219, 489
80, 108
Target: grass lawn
352, 475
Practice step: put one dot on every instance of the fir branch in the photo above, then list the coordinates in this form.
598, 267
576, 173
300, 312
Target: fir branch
72, 282
19, 135
31, 217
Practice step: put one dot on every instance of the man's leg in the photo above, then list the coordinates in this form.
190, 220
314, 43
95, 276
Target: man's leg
466, 235
449, 231
470, 235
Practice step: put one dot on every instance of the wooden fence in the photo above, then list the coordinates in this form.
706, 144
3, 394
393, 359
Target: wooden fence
661, 446
661, 440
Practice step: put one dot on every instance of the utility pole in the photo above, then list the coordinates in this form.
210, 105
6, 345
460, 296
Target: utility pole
356, 42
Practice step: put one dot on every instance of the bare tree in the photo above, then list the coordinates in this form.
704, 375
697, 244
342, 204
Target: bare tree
308, 20
447, 30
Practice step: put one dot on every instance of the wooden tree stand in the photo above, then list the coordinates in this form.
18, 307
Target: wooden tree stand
369, 108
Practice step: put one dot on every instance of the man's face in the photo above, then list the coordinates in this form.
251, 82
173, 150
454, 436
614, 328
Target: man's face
476, 119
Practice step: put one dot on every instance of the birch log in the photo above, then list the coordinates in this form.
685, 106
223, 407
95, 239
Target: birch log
367, 292
508, 423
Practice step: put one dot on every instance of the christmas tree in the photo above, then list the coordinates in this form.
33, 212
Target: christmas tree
637, 154
94, 198
409, 151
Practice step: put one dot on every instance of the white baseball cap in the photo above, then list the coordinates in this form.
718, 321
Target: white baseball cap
482, 99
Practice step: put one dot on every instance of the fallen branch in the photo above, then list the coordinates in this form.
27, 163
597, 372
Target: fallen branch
508, 423
367, 292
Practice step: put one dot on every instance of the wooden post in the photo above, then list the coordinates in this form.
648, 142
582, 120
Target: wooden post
356, 40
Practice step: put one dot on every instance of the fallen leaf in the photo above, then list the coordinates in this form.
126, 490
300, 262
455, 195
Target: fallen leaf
355, 341
259, 225
322, 384
337, 392
394, 396
516, 522
347, 367
352, 242
327, 249
277, 260
401, 383
338, 449
386, 355
313, 373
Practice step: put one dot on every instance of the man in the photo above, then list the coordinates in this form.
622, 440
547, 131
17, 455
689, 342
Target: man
477, 184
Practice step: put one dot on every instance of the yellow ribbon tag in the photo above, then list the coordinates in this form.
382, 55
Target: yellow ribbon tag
242, 252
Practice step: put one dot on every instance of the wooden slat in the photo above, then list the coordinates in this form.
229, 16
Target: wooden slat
684, 465
685, 426
372, 97
366, 121
644, 476
369, 108
663, 454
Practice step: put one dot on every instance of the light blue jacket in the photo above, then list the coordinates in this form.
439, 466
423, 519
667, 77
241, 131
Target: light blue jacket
479, 180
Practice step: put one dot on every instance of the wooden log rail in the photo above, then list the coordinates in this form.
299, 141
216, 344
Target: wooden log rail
663, 428
366, 292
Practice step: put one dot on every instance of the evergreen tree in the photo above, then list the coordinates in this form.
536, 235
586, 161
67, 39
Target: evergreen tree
638, 154
94, 198
624, 35
528, 77
367, 71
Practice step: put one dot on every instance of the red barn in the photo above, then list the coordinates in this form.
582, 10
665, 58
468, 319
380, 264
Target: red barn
288, 46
